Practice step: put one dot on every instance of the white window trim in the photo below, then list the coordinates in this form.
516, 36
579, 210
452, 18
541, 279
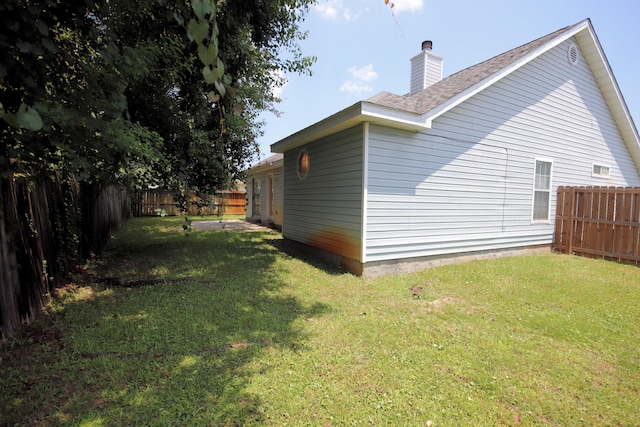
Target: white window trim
533, 191
602, 165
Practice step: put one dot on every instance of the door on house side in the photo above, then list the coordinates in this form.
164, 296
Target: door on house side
255, 198
272, 200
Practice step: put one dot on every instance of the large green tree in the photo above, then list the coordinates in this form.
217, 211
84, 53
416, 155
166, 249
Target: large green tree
142, 92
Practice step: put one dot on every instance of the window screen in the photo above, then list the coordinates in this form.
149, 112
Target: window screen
542, 191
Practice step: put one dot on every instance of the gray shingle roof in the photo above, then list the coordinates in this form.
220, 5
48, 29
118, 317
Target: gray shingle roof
268, 161
449, 87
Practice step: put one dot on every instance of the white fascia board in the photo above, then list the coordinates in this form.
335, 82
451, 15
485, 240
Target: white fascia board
351, 116
392, 117
432, 114
319, 129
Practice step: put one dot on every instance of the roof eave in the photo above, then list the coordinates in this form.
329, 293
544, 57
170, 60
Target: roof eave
354, 115
265, 167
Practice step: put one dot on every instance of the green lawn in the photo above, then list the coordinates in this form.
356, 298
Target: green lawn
223, 328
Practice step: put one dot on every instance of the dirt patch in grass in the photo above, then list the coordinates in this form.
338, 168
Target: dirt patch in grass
440, 302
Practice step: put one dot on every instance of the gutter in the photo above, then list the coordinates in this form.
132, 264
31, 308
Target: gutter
354, 115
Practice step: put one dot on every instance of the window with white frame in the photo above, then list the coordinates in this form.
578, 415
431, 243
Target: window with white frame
542, 191
600, 171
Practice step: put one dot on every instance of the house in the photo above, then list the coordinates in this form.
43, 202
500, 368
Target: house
265, 190
461, 167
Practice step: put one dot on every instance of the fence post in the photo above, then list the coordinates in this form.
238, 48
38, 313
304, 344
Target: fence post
571, 220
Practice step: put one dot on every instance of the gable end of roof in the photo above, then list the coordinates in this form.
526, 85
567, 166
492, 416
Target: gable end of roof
456, 88
417, 111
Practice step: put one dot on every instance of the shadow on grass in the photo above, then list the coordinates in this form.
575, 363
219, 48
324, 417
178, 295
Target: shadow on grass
181, 350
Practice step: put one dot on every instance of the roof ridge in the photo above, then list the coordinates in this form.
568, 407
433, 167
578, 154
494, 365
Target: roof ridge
456, 83
537, 42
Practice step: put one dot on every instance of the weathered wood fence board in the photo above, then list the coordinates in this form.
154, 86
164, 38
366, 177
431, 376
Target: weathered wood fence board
601, 222
46, 227
234, 203
161, 202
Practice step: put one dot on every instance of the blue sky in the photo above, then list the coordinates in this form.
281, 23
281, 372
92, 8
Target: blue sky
362, 48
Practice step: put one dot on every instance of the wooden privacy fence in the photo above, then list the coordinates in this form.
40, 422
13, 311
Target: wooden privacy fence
599, 222
47, 226
162, 202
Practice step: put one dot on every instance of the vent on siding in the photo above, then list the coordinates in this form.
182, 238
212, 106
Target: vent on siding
572, 54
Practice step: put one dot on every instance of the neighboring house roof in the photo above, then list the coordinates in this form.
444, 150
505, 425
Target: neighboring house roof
271, 162
238, 186
417, 111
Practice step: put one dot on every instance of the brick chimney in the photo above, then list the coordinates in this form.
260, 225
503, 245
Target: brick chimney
426, 68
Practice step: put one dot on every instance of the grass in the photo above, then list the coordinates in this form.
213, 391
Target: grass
223, 328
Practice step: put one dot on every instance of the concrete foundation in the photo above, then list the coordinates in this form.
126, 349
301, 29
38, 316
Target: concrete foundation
406, 265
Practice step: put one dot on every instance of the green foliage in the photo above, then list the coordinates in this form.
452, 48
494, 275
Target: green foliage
187, 227
145, 92
64, 85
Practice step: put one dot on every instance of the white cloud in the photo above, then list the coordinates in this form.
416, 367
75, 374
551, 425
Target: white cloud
278, 89
347, 14
334, 9
358, 84
406, 5
366, 73
355, 88
328, 8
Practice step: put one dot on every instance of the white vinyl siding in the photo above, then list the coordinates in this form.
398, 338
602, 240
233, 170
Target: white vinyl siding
432, 195
325, 209
466, 184
426, 69
433, 73
417, 73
